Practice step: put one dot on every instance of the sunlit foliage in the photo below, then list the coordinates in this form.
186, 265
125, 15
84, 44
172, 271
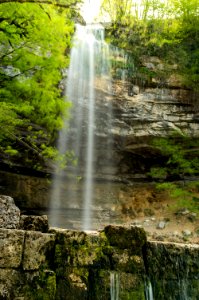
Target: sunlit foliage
35, 39
167, 29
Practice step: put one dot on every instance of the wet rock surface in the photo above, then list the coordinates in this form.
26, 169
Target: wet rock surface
173, 269
172, 260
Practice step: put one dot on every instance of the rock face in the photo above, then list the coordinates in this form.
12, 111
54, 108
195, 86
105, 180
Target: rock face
67, 264
9, 213
139, 112
140, 116
26, 190
74, 265
173, 270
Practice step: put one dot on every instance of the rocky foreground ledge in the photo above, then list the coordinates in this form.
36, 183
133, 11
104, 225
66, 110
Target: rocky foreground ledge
65, 264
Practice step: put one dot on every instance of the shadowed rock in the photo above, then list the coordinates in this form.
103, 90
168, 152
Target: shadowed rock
34, 223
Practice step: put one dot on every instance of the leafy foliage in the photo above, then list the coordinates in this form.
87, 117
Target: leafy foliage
34, 42
181, 155
182, 161
167, 29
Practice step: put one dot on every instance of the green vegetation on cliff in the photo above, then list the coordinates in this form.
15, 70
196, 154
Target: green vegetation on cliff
180, 163
161, 39
167, 29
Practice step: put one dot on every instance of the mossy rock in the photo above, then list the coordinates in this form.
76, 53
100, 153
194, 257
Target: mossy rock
122, 261
130, 286
78, 249
73, 284
42, 286
176, 289
167, 261
132, 238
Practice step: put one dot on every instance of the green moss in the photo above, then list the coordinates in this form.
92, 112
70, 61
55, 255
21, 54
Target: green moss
81, 250
126, 238
174, 289
58, 253
135, 295
42, 287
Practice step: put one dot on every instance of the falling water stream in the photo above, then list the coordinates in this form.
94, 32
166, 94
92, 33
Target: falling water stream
89, 65
114, 286
149, 291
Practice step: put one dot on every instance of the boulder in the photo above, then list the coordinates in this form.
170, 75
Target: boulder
161, 225
9, 213
132, 238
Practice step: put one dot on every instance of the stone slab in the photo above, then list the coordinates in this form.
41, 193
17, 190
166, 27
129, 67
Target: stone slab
11, 248
36, 249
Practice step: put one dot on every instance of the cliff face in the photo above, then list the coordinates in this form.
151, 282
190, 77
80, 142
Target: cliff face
172, 269
141, 114
131, 114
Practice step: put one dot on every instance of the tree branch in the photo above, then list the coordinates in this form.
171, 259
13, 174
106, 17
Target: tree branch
36, 151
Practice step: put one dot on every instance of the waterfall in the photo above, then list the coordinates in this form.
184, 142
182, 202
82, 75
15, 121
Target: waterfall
148, 290
88, 72
183, 289
114, 286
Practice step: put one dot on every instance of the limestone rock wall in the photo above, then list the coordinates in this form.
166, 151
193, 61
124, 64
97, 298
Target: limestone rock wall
139, 114
28, 191
131, 114
65, 264
173, 270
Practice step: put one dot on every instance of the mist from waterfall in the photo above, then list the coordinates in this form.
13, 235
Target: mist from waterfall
89, 67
